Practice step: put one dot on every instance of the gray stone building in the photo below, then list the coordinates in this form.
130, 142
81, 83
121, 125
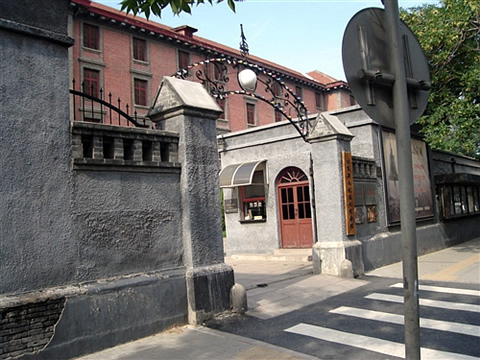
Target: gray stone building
285, 193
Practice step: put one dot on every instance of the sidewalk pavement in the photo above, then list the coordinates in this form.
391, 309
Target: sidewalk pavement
460, 263
275, 288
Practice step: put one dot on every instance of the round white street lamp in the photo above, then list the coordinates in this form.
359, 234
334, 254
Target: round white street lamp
247, 80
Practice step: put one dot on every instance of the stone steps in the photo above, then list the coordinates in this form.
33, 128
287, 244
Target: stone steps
293, 255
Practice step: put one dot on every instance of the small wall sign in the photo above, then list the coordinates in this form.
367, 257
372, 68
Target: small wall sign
348, 193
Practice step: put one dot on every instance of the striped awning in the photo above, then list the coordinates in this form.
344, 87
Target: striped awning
239, 174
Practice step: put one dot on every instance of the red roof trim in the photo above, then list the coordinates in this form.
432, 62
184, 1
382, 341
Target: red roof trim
122, 17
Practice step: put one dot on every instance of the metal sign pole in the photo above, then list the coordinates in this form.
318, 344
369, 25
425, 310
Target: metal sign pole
407, 202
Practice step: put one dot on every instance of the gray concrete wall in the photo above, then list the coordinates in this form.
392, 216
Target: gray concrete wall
385, 248
106, 236
448, 163
125, 222
35, 159
103, 314
61, 226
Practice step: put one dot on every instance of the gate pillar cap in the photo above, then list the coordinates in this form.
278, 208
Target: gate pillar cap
174, 93
328, 126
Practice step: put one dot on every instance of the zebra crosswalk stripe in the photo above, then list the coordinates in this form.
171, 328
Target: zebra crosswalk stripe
459, 328
386, 347
441, 289
426, 302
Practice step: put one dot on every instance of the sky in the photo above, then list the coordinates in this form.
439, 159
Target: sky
303, 35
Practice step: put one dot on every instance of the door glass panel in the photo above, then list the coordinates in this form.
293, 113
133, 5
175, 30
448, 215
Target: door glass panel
288, 205
301, 211
303, 200
290, 195
291, 211
306, 191
308, 211
299, 194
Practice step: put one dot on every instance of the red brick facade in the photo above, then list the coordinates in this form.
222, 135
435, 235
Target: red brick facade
166, 48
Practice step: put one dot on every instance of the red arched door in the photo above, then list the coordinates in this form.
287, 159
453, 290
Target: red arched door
295, 210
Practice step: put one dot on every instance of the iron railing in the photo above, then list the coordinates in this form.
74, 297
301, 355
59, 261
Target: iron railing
98, 110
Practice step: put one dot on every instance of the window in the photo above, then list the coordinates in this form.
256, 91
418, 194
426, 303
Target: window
250, 114
139, 49
140, 92
299, 92
248, 184
253, 199
352, 100
319, 101
278, 116
459, 200
217, 71
91, 36
91, 81
183, 59
222, 104
459, 194
276, 89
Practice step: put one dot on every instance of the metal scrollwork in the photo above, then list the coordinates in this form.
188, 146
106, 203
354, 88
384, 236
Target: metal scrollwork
214, 76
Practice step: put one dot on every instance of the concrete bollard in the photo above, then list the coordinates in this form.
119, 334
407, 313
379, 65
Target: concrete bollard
316, 259
346, 269
238, 296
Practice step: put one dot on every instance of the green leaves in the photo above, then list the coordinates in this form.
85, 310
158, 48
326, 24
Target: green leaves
450, 37
155, 7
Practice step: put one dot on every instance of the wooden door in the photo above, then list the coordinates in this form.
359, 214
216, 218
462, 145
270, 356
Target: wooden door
295, 209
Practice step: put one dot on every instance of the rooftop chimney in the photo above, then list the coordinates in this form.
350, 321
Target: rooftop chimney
185, 30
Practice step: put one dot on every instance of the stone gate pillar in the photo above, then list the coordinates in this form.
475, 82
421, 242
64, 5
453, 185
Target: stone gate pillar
186, 108
335, 252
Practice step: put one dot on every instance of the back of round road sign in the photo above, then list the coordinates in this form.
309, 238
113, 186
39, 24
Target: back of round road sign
367, 66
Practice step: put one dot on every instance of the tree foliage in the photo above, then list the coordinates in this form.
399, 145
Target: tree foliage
449, 34
155, 7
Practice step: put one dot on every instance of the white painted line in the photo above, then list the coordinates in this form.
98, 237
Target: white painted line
459, 328
445, 290
426, 302
372, 344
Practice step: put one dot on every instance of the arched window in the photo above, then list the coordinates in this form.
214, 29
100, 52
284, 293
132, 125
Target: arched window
291, 175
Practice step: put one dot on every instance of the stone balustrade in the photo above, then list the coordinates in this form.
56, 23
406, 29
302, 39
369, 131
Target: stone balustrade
105, 147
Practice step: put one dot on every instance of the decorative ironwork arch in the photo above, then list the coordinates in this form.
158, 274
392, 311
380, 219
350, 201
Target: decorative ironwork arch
216, 80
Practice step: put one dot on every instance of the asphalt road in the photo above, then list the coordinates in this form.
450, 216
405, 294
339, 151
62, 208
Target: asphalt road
293, 314
367, 323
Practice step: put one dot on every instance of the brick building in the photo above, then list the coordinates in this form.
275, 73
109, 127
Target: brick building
128, 56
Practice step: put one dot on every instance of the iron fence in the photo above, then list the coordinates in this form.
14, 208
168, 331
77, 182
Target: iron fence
99, 110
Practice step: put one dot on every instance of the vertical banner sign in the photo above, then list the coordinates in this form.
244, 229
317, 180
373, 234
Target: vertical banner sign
348, 193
